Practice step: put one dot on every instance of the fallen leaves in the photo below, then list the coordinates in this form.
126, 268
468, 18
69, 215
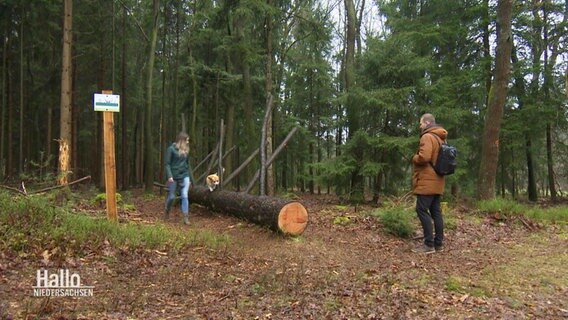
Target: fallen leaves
341, 271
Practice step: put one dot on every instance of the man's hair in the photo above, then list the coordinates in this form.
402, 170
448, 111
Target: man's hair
428, 117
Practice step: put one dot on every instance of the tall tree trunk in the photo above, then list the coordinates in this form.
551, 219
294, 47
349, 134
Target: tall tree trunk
359, 47
148, 139
550, 163
520, 87
124, 173
270, 187
66, 92
74, 123
98, 162
4, 92
173, 126
353, 112
193, 129
547, 84
249, 118
164, 121
233, 160
139, 147
21, 144
312, 129
9, 106
192, 65
486, 49
497, 99
531, 180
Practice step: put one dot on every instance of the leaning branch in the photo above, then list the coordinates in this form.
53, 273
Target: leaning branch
271, 159
12, 189
44, 189
60, 186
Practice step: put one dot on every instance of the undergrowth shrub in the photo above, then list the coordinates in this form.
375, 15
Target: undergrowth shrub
397, 220
100, 199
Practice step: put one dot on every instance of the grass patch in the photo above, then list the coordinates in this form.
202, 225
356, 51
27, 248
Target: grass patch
342, 220
86, 228
463, 285
507, 207
28, 223
450, 221
500, 205
537, 267
455, 284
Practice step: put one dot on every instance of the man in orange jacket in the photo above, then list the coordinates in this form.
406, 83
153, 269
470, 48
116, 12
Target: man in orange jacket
427, 185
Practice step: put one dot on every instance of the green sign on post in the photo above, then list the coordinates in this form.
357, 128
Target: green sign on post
107, 102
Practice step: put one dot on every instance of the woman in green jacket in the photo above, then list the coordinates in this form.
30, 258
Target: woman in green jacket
178, 173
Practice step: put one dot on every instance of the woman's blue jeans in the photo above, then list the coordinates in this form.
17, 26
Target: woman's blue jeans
172, 187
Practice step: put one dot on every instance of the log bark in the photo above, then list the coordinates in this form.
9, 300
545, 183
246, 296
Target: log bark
280, 215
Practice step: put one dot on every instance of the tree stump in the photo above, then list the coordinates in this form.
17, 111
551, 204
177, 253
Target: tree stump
281, 215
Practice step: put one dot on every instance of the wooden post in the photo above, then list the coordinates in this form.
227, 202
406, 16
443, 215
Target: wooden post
110, 163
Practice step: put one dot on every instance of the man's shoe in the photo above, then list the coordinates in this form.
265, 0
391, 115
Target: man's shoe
439, 248
186, 220
424, 249
166, 214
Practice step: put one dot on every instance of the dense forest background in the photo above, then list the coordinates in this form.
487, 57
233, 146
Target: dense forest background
353, 77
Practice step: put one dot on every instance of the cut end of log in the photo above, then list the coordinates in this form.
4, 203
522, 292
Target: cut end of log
293, 219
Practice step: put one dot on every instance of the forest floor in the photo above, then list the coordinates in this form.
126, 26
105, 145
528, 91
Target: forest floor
490, 269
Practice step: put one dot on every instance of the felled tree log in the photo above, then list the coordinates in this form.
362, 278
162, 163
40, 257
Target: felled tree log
281, 215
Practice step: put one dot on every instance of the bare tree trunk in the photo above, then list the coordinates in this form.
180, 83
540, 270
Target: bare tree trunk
239, 25
270, 187
74, 124
4, 92
193, 128
229, 134
359, 47
248, 114
66, 92
10, 104
194, 102
486, 48
148, 137
164, 121
139, 147
520, 87
124, 174
497, 98
263, 143
353, 112
21, 144
547, 84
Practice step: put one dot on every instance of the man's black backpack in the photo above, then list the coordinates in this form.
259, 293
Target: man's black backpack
447, 159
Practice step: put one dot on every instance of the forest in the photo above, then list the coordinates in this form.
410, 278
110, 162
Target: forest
352, 76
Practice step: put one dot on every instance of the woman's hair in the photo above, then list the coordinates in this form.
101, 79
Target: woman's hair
182, 143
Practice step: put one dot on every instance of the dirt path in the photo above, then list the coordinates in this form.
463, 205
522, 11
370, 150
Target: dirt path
333, 271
